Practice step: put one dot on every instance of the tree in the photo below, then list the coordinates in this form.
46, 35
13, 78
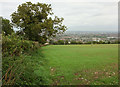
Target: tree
60, 42
51, 41
6, 26
36, 21
73, 42
66, 42
79, 42
55, 43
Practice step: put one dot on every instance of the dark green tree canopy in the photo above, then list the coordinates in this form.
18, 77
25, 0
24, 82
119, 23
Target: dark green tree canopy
6, 26
35, 21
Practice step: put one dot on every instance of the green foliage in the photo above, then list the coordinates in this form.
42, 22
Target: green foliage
51, 42
7, 27
23, 69
36, 23
76, 42
61, 42
14, 45
66, 42
73, 42
22, 64
55, 43
20, 61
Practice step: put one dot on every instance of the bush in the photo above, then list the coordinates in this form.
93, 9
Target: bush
74, 42
14, 45
20, 59
22, 70
61, 42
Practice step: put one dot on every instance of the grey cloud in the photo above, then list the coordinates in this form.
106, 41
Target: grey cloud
77, 15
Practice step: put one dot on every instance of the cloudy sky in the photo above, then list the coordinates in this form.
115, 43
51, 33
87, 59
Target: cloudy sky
79, 15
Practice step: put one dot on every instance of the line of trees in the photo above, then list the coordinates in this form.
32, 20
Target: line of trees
66, 42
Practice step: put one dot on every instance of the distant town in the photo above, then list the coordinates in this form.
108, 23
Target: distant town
85, 37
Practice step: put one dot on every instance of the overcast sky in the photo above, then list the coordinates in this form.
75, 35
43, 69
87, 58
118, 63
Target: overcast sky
78, 15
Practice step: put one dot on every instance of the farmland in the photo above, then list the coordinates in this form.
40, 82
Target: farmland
81, 64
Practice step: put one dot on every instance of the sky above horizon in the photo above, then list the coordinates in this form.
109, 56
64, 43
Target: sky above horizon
78, 15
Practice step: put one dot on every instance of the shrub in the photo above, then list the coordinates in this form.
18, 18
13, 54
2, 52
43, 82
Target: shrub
14, 45
22, 70
61, 42
20, 59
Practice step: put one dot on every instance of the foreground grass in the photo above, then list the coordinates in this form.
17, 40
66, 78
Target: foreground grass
81, 64
63, 65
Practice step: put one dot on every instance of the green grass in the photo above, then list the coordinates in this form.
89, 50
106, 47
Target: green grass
81, 64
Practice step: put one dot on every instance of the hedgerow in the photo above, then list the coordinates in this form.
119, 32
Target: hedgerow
14, 45
19, 61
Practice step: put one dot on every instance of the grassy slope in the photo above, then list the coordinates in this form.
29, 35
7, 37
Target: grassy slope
82, 64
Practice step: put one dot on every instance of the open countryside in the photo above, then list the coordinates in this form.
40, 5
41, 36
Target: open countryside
82, 64
46, 43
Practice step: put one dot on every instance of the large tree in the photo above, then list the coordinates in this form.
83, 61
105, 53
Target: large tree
7, 27
36, 21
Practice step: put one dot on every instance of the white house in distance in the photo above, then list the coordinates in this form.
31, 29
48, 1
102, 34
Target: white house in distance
96, 39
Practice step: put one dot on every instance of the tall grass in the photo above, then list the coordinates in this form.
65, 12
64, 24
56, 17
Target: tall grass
19, 61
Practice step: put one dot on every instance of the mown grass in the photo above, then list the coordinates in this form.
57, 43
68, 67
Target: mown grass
81, 64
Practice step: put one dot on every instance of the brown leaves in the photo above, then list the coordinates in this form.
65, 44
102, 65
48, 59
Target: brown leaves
76, 74
96, 73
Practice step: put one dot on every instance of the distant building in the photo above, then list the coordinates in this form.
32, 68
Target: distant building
96, 39
111, 37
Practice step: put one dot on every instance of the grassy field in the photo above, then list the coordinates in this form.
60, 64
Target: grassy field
82, 64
